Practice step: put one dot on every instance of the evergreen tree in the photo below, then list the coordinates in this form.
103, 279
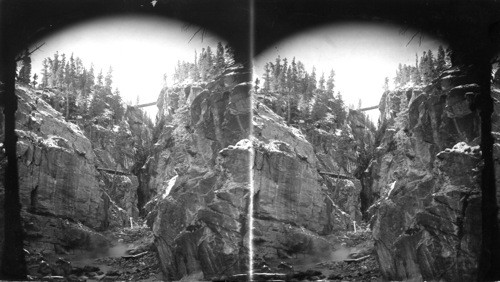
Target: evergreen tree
24, 75
34, 81
55, 67
99, 79
338, 109
85, 93
432, 65
210, 63
440, 61
177, 77
301, 72
196, 70
80, 75
282, 76
267, 78
293, 76
71, 72
109, 79
89, 81
304, 85
407, 73
98, 101
203, 65
321, 82
228, 55
219, 59
423, 68
416, 78
289, 80
61, 71
45, 73
449, 57
302, 79
320, 107
386, 84
330, 83
115, 102
276, 74
97, 104
311, 85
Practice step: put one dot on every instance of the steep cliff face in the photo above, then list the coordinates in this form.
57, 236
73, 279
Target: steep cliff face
427, 220
122, 148
199, 173
64, 195
294, 204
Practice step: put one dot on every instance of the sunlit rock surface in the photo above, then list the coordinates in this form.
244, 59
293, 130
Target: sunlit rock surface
427, 221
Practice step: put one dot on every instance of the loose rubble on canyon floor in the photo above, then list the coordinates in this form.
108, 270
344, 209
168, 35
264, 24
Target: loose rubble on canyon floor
353, 259
130, 258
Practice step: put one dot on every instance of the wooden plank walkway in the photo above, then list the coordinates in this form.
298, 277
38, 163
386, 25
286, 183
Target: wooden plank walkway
368, 108
338, 175
145, 105
112, 171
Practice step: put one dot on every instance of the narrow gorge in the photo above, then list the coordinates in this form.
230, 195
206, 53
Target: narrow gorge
334, 197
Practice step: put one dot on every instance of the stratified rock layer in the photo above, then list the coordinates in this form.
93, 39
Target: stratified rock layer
427, 221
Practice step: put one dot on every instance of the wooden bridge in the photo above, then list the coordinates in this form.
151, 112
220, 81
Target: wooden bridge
113, 171
337, 175
368, 108
143, 105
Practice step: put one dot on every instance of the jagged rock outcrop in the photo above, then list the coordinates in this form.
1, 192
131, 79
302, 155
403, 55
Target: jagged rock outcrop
65, 198
199, 171
427, 221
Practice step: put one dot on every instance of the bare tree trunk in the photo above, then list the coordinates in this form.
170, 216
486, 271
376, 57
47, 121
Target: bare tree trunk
490, 256
13, 261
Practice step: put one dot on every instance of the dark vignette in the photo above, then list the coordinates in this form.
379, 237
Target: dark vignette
471, 28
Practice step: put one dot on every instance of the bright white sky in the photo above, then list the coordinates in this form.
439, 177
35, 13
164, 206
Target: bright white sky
140, 49
362, 55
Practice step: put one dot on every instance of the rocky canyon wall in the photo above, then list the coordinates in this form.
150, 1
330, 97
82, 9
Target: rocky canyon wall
200, 178
297, 204
204, 163
66, 197
426, 176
